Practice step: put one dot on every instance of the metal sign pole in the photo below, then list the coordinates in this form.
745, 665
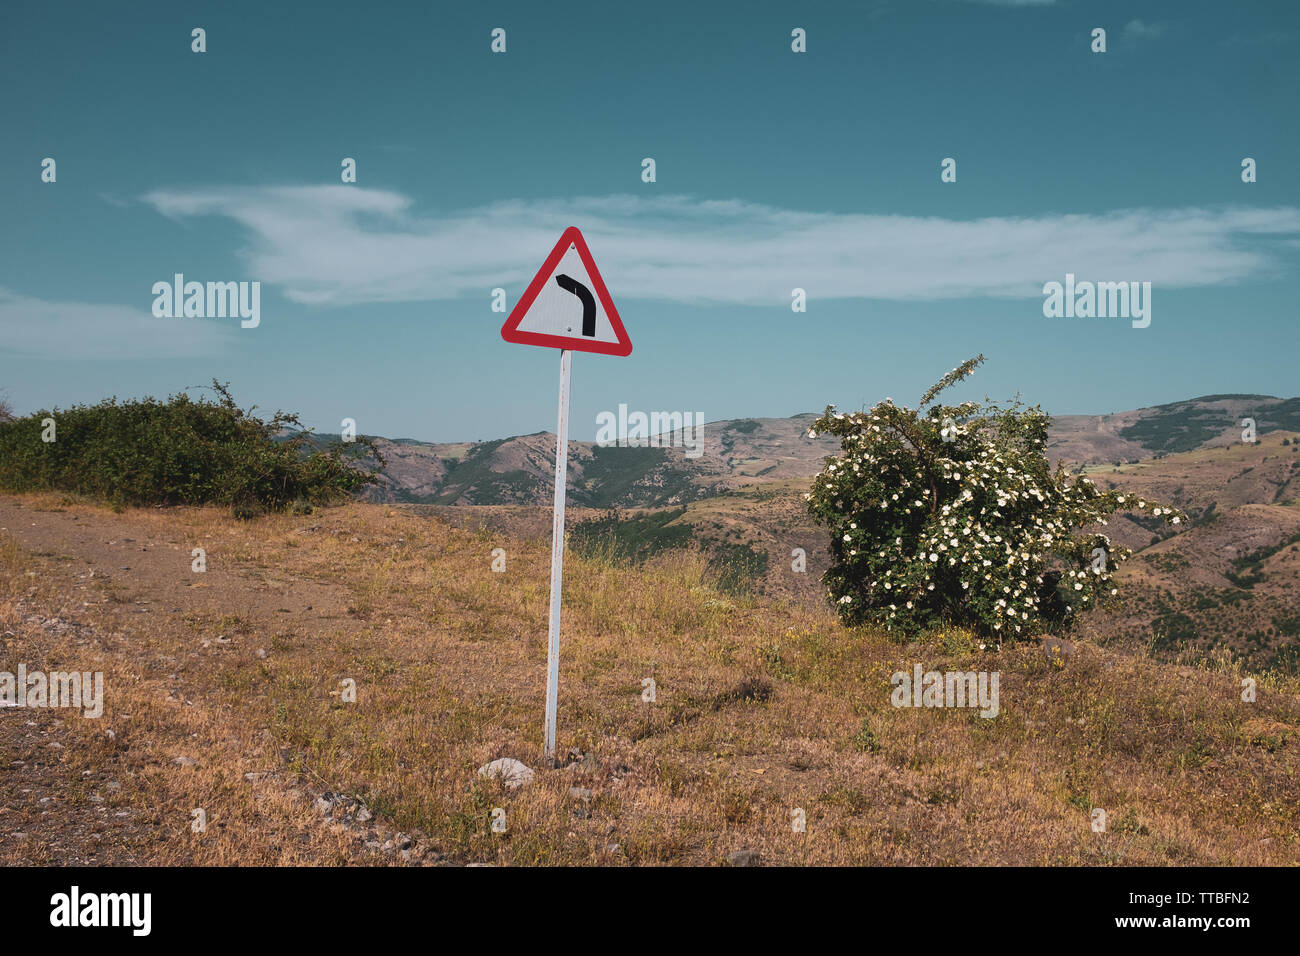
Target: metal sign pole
557, 551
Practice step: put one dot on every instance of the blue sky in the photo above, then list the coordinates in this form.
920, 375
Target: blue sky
775, 170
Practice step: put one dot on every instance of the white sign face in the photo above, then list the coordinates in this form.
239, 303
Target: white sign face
567, 306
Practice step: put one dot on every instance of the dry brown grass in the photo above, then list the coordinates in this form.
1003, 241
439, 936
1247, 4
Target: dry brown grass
763, 706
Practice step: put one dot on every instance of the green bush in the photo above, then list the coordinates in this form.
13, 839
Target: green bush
181, 451
955, 516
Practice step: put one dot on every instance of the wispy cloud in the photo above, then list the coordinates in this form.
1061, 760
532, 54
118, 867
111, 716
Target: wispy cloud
346, 245
1138, 30
41, 328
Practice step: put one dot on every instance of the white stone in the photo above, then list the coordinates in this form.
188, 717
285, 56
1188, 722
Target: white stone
510, 771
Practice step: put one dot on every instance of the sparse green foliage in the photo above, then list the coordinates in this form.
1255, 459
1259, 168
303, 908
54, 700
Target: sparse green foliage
181, 451
952, 514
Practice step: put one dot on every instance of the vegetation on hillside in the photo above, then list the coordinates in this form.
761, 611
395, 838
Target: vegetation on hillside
182, 451
622, 539
1184, 426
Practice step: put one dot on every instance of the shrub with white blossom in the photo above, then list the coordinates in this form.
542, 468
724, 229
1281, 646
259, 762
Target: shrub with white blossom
952, 514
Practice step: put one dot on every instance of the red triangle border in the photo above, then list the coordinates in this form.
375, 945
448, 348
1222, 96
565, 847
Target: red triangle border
510, 331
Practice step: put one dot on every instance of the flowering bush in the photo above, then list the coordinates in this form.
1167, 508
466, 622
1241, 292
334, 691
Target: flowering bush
952, 514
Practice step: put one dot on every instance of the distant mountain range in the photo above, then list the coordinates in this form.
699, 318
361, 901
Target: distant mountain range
748, 451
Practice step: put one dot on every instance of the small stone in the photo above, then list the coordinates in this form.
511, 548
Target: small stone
614, 849
185, 761
364, 815
513, 773
743, 858
261, 653
580, 793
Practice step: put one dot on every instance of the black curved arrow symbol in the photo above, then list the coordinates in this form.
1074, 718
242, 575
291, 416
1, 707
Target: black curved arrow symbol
588, 302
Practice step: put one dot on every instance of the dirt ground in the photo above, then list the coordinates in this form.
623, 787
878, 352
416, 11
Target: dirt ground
80, 792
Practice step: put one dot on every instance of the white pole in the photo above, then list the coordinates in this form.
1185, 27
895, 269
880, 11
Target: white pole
557, 551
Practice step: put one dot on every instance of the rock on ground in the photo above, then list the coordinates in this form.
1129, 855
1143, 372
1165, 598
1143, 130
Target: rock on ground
511, 772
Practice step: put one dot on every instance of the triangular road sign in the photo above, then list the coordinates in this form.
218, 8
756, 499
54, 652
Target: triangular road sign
567, 306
